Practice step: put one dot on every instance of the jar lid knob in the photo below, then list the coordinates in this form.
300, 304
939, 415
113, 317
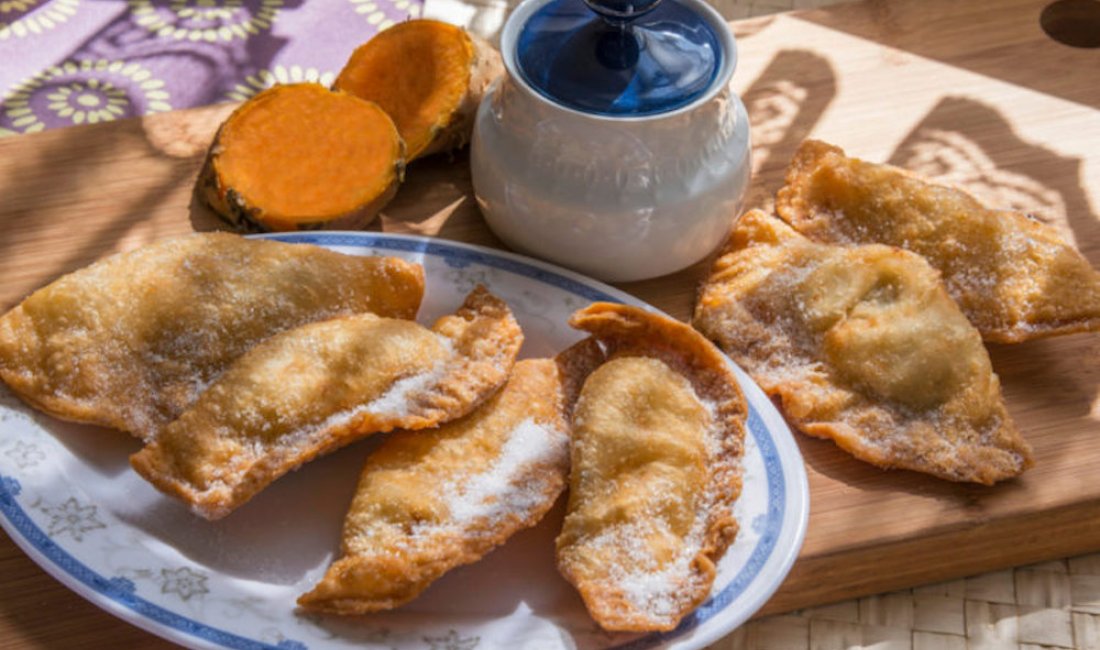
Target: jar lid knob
619, 57
621, 12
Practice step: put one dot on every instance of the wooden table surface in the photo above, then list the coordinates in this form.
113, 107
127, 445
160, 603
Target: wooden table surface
972, 92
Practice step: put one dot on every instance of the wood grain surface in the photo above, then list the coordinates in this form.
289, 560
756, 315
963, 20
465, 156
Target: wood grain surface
970, 92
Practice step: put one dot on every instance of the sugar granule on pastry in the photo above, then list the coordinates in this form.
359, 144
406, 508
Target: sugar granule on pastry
658, 435
861, 345
1013, 276
131, 341
429, 501
321, 386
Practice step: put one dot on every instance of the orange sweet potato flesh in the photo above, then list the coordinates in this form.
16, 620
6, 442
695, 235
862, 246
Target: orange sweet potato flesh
303, 157
429, 76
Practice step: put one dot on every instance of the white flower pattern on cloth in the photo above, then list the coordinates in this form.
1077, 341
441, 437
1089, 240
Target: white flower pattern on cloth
204, 20
376, 17
264, 79
71, 518
9, 6
92, 101
42, 19
205, 51
95, 97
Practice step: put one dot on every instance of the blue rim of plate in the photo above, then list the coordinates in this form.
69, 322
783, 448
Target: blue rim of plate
120, 592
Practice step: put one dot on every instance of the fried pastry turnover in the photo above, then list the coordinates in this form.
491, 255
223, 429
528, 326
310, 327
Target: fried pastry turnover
1013, 276
861, 345
129, 342
312, 389
657, 445
429, 501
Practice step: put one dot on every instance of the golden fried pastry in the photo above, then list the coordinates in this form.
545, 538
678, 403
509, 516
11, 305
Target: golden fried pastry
657, 442
429, 501
320, 386
1013, 277
129, 342
862, 345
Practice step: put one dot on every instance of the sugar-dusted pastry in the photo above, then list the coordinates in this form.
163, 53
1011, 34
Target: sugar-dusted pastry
657, 444
317, 387
129, 342
429, 501
861, 344
1013, 277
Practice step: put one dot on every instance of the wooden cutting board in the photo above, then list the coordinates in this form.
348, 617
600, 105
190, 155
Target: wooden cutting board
972, 92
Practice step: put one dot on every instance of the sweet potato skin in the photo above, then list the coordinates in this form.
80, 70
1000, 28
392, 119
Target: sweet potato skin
450, 129
230, 207
485, 68
213, 190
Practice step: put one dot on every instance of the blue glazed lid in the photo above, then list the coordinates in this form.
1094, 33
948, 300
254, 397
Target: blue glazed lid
619, 57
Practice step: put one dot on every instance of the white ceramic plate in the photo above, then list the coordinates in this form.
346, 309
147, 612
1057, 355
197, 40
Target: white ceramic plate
69, 498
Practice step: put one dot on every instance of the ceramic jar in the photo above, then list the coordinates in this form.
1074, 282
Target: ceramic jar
619, 198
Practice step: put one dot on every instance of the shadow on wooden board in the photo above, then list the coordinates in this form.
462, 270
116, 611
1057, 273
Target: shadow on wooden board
991, 161
972, 36
829, 460
42, 201
785, 103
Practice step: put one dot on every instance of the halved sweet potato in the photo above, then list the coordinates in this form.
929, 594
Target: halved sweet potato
429, 76
303, 157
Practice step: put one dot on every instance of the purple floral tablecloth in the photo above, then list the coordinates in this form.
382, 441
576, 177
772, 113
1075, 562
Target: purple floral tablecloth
65, 62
